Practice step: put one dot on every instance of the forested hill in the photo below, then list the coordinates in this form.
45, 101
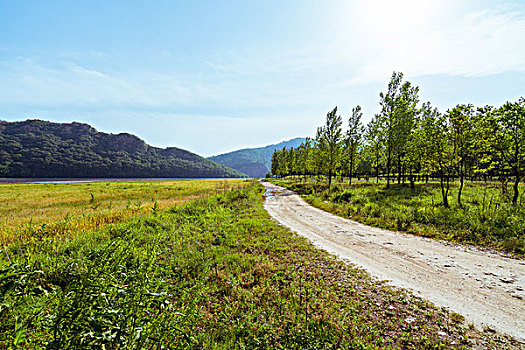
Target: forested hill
36, 148
255, 162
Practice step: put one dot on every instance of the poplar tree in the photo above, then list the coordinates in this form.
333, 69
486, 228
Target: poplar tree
483, 153
406, 114
329, 143
396, 120
307, 155
462, 132
375, 143
352, 140
275, 162
436, 150
511, 135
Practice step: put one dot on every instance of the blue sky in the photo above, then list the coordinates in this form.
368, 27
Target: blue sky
215, 76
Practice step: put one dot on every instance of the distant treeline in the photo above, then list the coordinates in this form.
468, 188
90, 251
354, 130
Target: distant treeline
36, 148
409, 142
254, 162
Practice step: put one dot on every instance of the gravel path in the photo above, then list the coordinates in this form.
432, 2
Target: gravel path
487, 288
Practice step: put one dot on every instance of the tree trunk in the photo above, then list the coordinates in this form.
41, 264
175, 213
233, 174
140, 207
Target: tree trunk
461, 180
398, 169
517, 176
412, 178
388, 163
351, 170
516, 188
444, 193
447, 189
377, 164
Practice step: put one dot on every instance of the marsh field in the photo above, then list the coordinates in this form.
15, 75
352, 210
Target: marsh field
30, 210
192, 265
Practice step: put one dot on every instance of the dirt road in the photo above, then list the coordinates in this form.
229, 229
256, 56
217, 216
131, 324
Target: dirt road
486, 288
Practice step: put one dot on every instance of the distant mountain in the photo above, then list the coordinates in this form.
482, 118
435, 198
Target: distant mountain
255, 162
36, 148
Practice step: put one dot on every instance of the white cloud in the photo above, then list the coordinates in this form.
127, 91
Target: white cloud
65, 83
233, 81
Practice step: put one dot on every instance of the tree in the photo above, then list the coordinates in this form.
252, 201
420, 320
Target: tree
484, 137
511, 119
461, 127
375, 143
405, 121
280, 162
396, 120
291, 160
437, 153
329, 140
275, 163
352, 140
304, 156
413, 156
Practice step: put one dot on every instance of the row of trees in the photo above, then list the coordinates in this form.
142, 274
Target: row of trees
412, 141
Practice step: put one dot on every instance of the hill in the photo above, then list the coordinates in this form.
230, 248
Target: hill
255, 162
37, 148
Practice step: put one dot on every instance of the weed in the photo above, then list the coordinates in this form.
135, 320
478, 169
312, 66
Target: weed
455, 317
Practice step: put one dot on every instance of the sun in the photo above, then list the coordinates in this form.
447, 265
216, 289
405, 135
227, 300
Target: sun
393, 18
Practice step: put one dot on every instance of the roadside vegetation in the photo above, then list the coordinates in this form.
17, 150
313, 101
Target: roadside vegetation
457, 175
213, 273
33, 211
485, 218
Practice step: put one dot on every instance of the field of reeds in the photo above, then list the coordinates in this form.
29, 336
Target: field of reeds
485, 218
213, 273
62, 209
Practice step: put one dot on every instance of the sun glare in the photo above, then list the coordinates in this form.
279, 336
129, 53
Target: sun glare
386, 18
395, 17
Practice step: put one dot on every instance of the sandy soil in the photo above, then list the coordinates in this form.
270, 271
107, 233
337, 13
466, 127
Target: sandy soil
487, 288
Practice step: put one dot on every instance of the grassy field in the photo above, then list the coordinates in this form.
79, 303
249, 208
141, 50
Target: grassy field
33, 210
215, 273
486, 218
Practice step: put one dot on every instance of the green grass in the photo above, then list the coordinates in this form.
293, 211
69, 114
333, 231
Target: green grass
215, 273
29, 210
486, 218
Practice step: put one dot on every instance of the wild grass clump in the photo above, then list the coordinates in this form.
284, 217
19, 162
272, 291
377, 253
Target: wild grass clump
485, 218
211, 274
